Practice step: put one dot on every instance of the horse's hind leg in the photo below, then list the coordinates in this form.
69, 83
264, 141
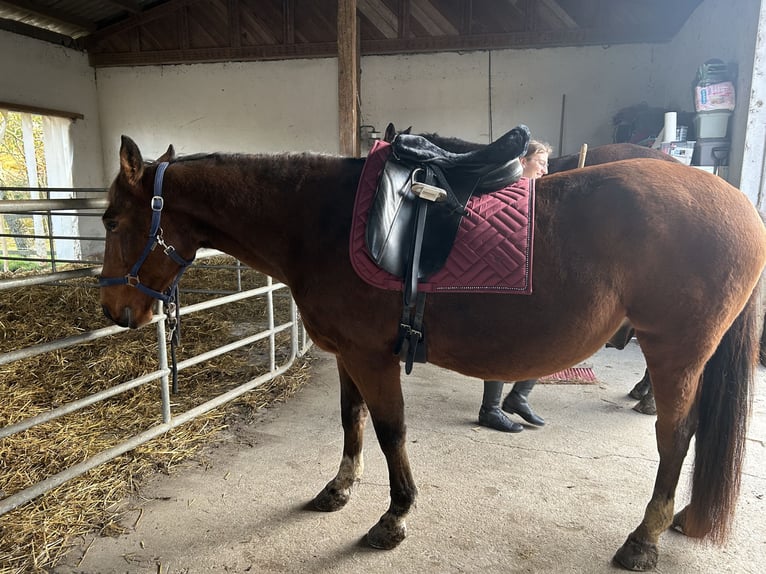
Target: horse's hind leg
675, 426
353, 414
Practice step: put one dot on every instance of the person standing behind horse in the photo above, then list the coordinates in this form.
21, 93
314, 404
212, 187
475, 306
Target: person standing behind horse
535, 164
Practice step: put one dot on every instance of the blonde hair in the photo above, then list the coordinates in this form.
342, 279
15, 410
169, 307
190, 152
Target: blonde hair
534, 147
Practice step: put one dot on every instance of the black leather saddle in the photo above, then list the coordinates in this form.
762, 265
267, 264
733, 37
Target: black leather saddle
418, 205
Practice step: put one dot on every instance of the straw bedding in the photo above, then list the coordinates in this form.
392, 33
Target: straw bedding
37, 535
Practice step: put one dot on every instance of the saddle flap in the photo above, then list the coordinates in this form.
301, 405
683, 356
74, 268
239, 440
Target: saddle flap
388, 230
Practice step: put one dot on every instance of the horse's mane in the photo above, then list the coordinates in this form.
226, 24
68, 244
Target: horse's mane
220, 157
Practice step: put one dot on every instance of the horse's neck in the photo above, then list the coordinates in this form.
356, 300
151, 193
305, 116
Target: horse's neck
265, 210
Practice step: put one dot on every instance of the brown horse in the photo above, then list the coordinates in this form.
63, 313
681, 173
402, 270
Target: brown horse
675, 250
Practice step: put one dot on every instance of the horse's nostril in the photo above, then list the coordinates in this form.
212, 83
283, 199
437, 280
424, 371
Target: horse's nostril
127, 318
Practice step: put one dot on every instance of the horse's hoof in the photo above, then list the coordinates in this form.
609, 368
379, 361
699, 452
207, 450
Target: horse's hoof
640, 389
679, 522
646, 406
331, 498
637, 556
387, 533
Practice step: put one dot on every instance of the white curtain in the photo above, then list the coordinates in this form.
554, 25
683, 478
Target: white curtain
31, 161
57, 146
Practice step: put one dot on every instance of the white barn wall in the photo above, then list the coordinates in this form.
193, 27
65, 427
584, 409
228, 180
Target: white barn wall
450, 93
40, 74
292, 105
445, 93
528, 85
248, 107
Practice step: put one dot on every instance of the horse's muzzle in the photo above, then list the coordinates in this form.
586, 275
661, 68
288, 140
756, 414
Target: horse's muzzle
124, 320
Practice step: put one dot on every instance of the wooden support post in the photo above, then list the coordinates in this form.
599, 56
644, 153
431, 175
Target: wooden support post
348, 78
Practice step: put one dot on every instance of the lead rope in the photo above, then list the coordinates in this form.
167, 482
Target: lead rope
172, 310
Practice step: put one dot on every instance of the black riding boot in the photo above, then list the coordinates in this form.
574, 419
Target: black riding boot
490, 414
516, 402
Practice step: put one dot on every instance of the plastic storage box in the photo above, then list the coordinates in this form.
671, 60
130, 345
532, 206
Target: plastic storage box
711, 124
713, 152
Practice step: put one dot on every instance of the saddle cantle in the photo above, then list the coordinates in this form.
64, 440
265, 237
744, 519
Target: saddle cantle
418, 206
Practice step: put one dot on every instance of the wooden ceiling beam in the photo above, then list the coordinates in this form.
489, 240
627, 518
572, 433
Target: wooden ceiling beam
380, 16
449, 32
556, 38
203, 55
141, 18
288, 21
128, 5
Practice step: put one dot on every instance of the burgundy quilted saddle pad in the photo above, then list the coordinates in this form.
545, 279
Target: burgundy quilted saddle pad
492, 251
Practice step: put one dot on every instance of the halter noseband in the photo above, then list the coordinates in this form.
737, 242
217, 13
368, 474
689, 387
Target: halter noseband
169, 296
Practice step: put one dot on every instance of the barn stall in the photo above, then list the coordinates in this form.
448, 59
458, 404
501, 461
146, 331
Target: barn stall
275, 76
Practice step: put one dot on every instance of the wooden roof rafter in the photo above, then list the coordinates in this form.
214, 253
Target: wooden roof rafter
226, 30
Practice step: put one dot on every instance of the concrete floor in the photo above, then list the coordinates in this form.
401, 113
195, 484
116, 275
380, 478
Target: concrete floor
558, 499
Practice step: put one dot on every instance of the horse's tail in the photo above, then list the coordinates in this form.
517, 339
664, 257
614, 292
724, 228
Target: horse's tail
724, 410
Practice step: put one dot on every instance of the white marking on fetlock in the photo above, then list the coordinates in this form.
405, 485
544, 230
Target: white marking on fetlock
350, 471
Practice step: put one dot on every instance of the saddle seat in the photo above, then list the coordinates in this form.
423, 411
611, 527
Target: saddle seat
492, 167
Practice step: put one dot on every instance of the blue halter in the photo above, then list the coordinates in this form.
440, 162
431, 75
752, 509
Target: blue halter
169, 296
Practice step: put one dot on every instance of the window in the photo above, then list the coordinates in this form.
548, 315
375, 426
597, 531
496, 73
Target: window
35, 156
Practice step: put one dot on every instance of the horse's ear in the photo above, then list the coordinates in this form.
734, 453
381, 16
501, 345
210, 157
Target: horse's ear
169, 155
131, 162
408, 130
390, 133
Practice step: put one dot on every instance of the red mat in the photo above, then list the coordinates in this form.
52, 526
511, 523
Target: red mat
573, 376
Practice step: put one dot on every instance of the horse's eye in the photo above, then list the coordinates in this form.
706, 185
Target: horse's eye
110, 224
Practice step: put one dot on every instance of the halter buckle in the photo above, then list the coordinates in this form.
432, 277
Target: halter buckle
157, 203
170, 312
132, 280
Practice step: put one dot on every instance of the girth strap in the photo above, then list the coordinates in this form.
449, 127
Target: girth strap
411, 336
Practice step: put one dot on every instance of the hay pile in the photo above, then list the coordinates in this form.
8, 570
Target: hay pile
36, 535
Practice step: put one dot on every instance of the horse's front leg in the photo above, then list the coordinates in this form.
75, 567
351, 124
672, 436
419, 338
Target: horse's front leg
674, 429
353, 414
379, 381
391, 529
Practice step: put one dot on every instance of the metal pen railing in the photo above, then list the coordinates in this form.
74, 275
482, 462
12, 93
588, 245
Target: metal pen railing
298, 345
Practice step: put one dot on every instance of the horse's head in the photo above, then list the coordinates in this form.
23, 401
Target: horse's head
135, 272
